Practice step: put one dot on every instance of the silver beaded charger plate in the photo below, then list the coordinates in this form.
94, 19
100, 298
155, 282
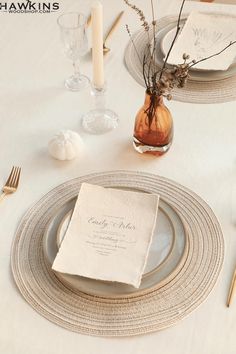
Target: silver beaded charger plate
152, 310
202, 86
167, 254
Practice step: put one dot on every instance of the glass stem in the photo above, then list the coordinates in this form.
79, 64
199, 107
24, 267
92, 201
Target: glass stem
76, 68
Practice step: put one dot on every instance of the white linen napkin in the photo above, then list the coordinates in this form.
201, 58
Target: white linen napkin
109, 235
204, 35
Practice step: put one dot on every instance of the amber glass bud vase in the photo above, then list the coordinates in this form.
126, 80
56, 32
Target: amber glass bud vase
153, 130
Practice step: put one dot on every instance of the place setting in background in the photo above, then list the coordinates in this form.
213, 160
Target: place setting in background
200, 35
206, 34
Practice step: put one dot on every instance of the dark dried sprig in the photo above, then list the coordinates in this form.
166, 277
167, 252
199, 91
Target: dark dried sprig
149, 64
146, 77
154, 22
131, 38
142, 61
175, 37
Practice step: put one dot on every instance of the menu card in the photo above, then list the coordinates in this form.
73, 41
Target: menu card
204, 35
109, 235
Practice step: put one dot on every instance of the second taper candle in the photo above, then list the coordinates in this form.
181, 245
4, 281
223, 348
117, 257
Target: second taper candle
97, 44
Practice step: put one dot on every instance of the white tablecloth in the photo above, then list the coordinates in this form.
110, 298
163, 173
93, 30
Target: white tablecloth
34, 105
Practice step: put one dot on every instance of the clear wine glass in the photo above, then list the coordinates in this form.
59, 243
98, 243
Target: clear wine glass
74, 38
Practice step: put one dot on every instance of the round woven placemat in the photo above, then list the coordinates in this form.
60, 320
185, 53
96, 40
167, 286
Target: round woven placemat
151, 311
215, 91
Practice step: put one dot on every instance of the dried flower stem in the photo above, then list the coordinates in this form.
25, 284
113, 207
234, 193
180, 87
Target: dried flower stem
142, 62
154, 38
175, 37
140, 14
146, 79
150, 111
148, 63
131, 38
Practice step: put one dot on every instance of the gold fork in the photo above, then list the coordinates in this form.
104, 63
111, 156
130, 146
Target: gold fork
113, 27
12, 182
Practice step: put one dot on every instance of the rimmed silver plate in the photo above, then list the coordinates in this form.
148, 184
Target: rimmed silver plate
166, 256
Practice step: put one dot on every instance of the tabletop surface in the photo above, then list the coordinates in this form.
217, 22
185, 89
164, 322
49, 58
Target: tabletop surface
35, 105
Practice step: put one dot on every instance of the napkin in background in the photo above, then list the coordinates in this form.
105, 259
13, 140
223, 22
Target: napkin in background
204, 35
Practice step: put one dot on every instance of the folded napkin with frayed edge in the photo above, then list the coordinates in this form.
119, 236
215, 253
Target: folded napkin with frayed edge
109, 235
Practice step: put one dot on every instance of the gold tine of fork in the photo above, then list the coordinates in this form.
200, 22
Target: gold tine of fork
15, 177
10, 176
18, 177
12, 183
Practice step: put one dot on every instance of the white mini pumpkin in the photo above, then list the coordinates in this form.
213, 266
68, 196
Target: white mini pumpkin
65, 145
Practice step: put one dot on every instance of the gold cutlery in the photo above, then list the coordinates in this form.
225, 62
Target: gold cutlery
232, 289
113, 27
12, 182
89, 20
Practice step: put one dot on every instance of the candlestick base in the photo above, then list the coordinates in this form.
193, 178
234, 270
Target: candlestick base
99, 120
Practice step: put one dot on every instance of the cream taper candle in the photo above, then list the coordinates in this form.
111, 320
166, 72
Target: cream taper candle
97, 44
